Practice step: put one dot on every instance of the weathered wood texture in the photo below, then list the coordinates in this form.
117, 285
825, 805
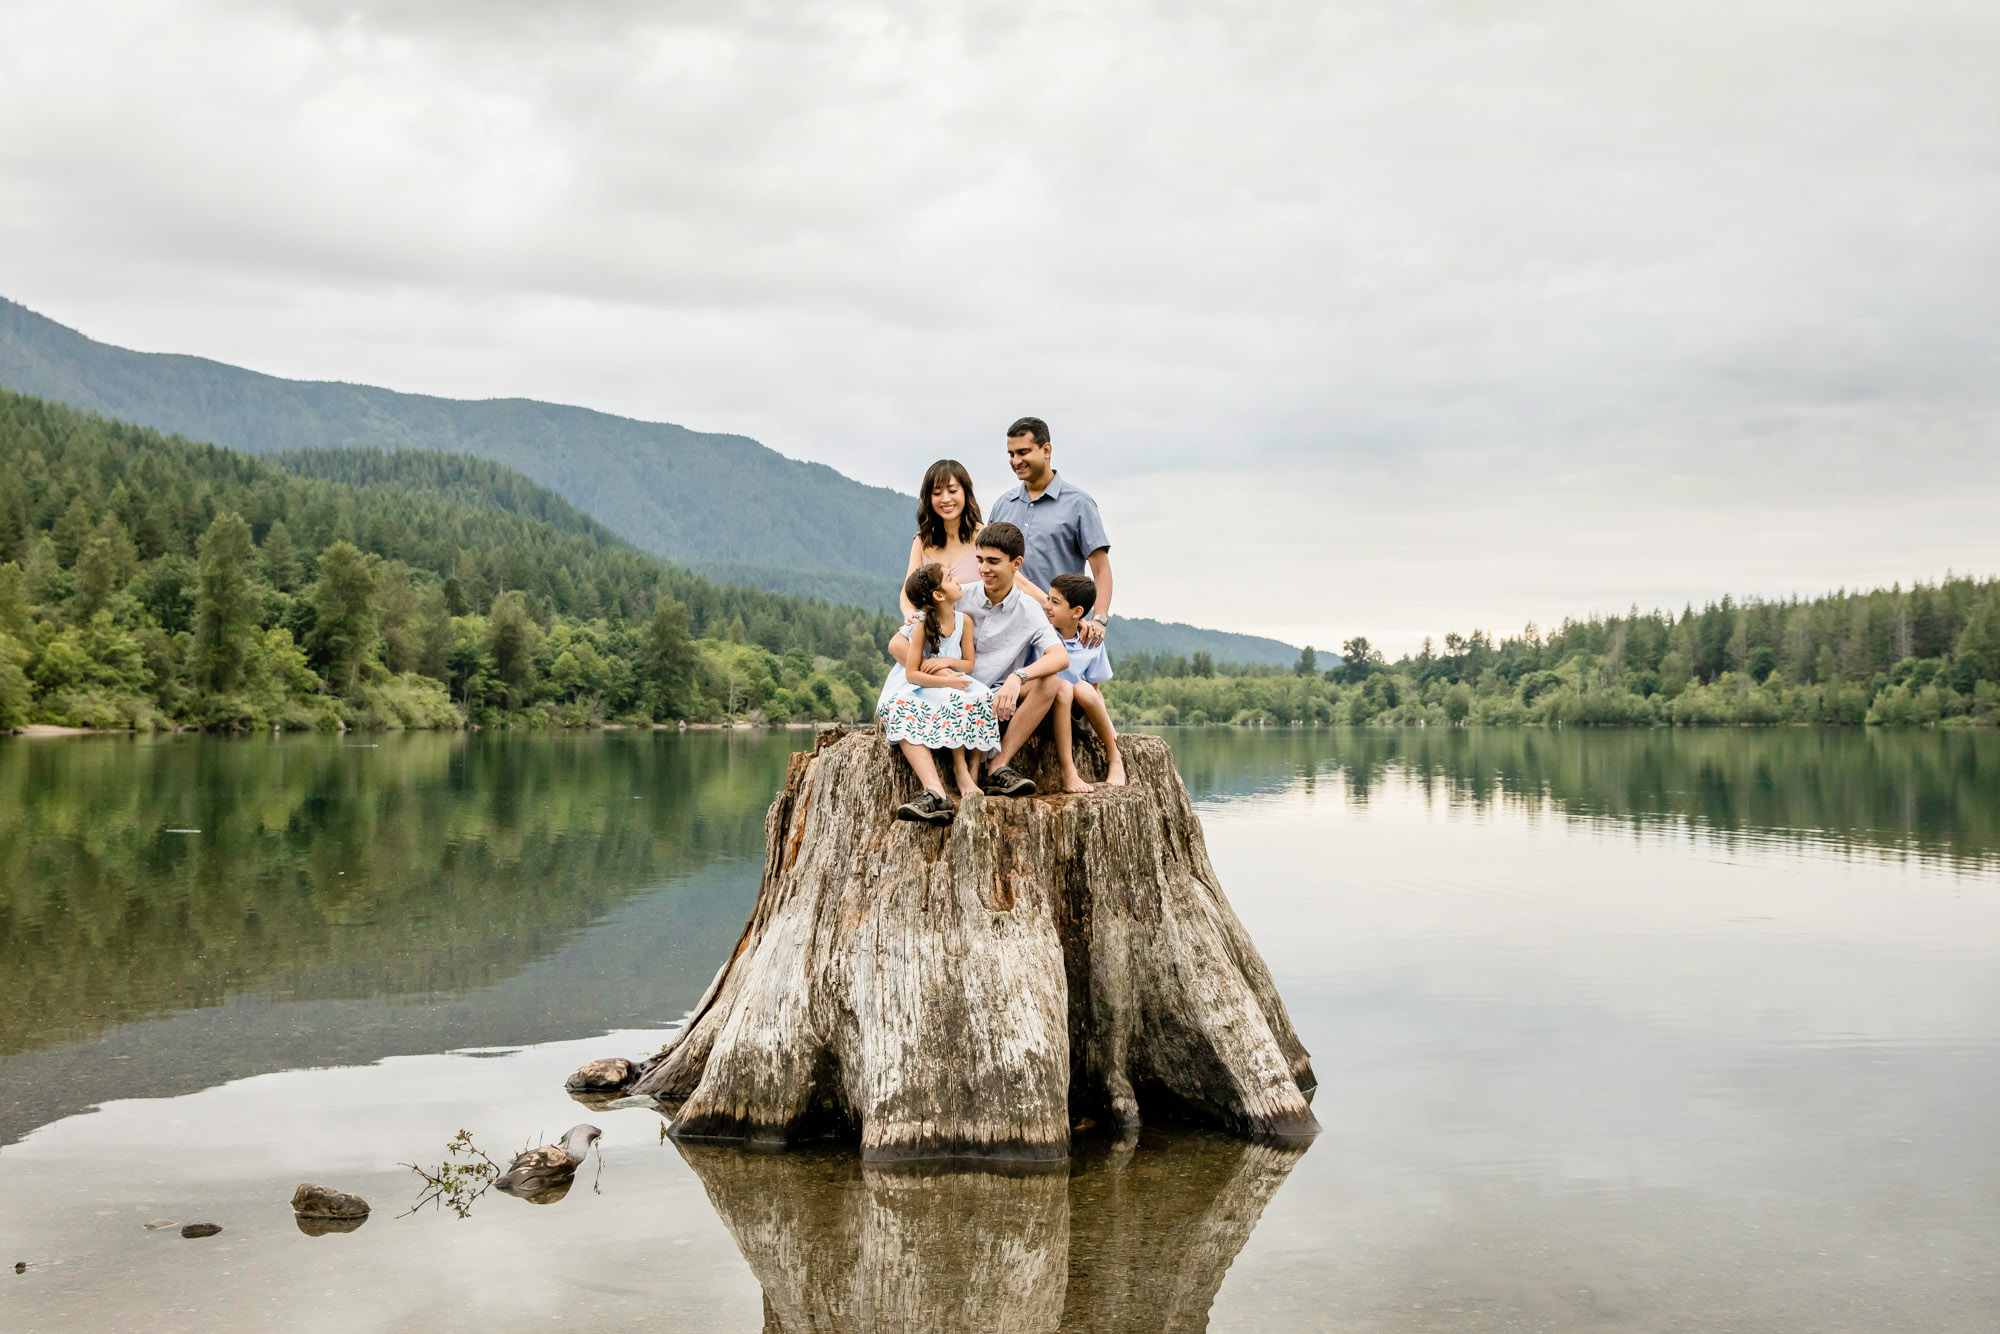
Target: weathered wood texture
1123, 1241
974, 991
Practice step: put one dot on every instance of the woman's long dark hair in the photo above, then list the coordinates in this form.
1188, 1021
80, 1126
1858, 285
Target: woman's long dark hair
923, 582
930, 528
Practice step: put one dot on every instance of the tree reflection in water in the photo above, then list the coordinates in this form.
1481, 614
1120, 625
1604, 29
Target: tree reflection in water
1136, 1236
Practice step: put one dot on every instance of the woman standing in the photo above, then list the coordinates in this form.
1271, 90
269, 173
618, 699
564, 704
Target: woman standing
947, 520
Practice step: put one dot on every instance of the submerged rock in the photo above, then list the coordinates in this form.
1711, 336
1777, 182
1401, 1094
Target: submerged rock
201, 1229
155, 1224
319, 1227
310, 1201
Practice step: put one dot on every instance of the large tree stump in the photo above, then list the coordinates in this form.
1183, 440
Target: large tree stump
976, 991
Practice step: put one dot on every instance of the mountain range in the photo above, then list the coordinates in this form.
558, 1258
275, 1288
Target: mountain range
722, 505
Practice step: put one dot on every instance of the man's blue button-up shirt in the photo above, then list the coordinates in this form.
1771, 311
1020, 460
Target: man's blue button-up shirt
1062, 527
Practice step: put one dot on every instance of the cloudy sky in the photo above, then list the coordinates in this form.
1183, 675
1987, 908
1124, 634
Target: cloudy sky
1387, 318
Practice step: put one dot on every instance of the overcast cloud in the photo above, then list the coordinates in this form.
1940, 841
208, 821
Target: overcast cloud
1379, 317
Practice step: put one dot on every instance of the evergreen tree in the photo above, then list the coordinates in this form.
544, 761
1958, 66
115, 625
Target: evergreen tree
281, 557
226, 604
15, 611
511, 639
346, 621
671, 661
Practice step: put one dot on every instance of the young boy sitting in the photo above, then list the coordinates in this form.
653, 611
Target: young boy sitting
1071, 596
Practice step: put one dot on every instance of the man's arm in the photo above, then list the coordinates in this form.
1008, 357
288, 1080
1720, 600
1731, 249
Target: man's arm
1092, 630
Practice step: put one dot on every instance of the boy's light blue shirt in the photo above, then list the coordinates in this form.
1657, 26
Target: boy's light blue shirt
1088, 664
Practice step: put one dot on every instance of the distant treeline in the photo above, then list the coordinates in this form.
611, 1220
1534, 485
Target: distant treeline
1928, 654
148, 581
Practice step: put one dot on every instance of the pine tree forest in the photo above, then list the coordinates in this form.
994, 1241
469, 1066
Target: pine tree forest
149, 582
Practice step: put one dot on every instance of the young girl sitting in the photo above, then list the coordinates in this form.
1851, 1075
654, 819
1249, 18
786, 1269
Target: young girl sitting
929, 703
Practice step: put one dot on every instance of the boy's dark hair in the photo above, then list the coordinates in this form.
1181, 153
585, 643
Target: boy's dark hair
1034, 426
930, 528
1079, 590
1004, 538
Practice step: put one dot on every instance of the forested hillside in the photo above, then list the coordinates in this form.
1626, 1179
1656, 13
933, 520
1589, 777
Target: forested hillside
721, 504
1133, 635
1926, 654
149, 581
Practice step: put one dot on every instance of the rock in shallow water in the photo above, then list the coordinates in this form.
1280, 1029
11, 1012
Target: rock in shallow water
612, 1072
201, 1229
310, 1201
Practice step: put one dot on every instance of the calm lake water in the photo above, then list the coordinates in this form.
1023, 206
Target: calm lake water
1615, 1031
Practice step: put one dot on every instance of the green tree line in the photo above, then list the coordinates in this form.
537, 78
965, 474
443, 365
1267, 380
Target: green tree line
1929, 654
148, 581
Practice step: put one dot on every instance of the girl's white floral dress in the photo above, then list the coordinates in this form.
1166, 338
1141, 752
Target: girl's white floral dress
938, 716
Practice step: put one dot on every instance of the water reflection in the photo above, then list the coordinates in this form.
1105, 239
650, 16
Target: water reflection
1137, 1236
1935, 794
339, 904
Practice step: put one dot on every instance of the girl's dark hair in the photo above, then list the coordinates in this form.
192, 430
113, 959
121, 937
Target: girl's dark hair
930, 528
924, 581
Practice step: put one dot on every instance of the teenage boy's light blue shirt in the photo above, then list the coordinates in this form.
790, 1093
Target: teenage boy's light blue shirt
1088, 664
1009, 635
1062, 527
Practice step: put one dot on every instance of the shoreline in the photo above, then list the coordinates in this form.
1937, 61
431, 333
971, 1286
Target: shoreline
46, 731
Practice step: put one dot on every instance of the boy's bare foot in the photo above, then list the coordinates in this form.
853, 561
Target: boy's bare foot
1073, 782
1116, 778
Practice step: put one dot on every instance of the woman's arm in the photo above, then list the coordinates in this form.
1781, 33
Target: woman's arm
916, 559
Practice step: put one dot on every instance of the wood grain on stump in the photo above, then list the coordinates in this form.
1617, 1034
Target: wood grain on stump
975, 991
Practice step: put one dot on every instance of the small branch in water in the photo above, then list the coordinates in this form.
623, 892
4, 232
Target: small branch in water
455, 1184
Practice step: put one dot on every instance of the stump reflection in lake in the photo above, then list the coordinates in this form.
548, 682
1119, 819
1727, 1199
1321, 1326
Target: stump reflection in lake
1129, 1239
973, 992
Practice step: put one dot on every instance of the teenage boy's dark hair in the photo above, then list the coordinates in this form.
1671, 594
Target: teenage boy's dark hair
1079, 590
1034, 426
1004, 538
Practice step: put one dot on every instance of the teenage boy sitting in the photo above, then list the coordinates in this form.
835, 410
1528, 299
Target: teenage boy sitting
1071, 597
1012, 627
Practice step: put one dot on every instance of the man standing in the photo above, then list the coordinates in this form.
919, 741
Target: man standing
1058, 520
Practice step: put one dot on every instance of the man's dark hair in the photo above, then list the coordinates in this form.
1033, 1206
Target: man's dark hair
1034, 426
1004, 538
1079, 590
